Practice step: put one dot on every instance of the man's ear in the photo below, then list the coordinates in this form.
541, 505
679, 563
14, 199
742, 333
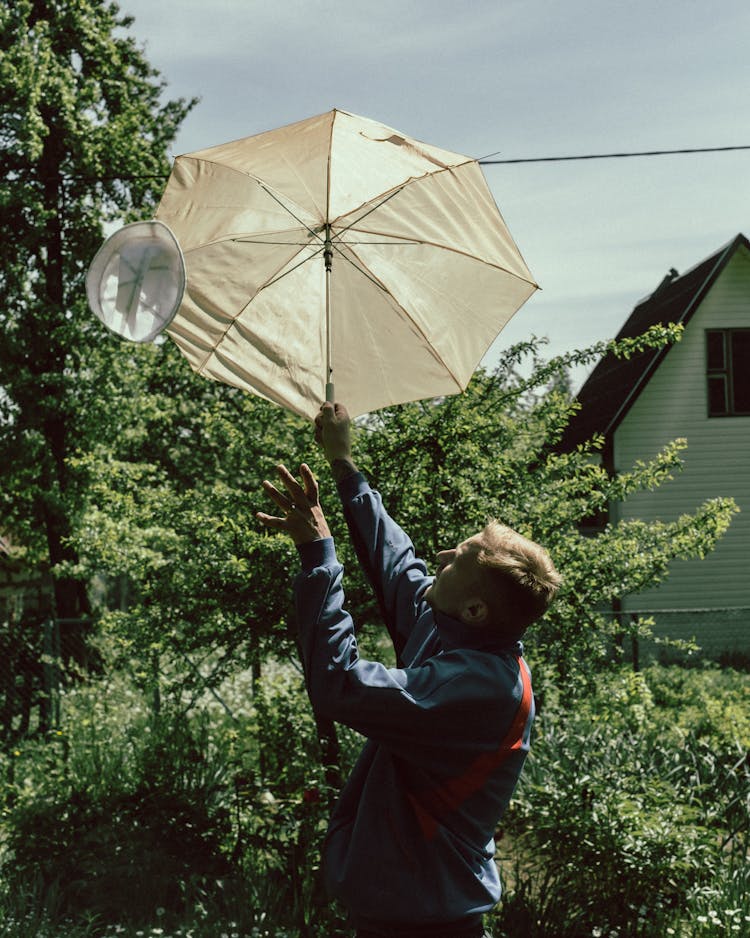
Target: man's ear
475, 611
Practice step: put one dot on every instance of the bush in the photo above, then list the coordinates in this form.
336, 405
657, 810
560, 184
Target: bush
631, 818
122, 847
121, 815
121, 859
126, 818
627, 807
286, 812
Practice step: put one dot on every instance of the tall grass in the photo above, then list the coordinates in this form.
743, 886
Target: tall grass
631, 819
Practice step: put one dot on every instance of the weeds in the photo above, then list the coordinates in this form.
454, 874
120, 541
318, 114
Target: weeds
631, 820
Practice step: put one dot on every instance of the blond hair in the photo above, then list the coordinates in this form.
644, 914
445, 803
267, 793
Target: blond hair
519, 577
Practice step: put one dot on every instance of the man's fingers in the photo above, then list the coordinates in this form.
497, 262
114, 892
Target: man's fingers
327, 413
310, 483
298, 496
332, 411
292, 485
303, 519
282, 500
270, 521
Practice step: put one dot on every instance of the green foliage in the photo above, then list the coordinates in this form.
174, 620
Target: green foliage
173, 479
289, 754
120, 816
631, 820
173, 484
171, 496
84, 140
288, 810
707, 704
128, 818
629, 804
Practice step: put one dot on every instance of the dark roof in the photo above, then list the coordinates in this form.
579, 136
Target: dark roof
615, 384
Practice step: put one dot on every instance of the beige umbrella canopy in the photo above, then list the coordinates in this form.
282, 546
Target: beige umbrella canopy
338, 250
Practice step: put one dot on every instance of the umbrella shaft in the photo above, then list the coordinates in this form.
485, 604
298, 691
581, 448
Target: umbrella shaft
328, 258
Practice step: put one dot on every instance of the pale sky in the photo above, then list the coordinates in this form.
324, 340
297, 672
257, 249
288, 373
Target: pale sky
528, 78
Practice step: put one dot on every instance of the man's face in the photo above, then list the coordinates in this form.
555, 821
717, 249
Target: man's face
457, 578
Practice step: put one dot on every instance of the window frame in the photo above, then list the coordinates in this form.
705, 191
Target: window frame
725, 373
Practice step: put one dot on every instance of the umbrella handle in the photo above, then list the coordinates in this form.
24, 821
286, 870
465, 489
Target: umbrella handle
329, 393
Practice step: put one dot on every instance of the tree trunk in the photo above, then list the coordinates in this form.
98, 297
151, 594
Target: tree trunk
70, 595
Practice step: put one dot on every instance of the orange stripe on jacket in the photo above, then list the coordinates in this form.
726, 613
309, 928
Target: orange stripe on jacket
434, 804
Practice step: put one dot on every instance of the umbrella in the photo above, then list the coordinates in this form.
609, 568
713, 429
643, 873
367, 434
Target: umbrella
336, 249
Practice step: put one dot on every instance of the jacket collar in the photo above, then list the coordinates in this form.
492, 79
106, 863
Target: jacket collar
454, 634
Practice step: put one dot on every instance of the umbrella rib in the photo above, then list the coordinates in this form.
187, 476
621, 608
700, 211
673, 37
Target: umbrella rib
364, 272
249, 175
411, 319
214, 350
413, 179
434, 244
284, 274
277, 243
393, 243
286, 208
446, 247
371, 210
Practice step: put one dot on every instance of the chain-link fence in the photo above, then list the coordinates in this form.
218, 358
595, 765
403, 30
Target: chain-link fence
38, 659
34, 656
683, 635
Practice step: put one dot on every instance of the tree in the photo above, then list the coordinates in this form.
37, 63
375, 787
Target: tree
172, 485
84, 138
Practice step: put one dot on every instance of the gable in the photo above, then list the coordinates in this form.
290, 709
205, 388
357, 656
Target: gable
615, 384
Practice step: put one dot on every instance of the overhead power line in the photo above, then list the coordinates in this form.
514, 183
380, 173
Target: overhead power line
485, 161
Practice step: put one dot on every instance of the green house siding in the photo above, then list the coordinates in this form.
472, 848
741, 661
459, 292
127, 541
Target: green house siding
717, 463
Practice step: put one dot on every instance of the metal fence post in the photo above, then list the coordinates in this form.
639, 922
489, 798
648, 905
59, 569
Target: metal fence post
49, 705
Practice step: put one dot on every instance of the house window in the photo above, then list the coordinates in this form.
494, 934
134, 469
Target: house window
728, 372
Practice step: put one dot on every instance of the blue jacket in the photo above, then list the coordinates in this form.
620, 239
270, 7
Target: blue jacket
411, 837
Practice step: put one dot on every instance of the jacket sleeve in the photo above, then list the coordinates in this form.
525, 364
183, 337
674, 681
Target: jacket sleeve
419, 712
397, 576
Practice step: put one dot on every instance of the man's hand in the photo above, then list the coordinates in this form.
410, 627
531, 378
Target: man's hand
333, 433
303, 517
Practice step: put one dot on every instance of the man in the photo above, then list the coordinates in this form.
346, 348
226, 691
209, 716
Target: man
410, 848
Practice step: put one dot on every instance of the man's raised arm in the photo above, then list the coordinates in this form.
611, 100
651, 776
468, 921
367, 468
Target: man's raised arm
386, 553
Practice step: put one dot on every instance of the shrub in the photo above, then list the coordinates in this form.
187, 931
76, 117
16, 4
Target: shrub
627, 807
121, 858
142, 824
286, 807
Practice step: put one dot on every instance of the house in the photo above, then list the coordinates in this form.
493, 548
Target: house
699, 389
